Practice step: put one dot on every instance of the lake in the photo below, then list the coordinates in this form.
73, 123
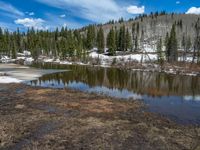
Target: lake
174, 96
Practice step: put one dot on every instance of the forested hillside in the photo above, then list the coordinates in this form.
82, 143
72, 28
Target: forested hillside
168, 35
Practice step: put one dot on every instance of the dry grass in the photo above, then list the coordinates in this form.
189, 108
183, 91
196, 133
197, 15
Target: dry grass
38, 119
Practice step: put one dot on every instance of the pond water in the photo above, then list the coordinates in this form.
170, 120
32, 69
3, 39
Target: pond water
174, 96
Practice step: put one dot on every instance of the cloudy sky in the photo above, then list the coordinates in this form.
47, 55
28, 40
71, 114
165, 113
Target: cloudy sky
48, 14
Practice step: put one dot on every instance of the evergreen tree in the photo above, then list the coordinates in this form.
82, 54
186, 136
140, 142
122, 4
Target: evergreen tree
160, 52
18, 40
183, 43
122, 38
136, 43
117, 39
167, 46
127, 41
197, 41
13, 48
70, 44
78, 43
62, 46
186, 44
138, 28
172, 46
1, 41
91, 37
100, 40
111, 42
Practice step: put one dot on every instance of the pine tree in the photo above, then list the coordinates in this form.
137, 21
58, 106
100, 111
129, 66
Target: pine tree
188, 44
183, 43
197, 42
71, 44
160, 52
18, 40
100, 40
133, 36
13, 48
138, 28
167, 53
62, 45
117, 39
136, 43
127, 41
122, 38
91, 37
172, 46
111, 42
7, 43
1, 41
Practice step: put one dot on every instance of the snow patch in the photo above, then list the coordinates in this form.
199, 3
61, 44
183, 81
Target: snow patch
6, 79
126, 58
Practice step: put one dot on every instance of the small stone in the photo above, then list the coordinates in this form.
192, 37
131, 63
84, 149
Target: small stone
19, 106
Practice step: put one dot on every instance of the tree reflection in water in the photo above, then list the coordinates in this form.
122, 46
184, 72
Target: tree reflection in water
175, 96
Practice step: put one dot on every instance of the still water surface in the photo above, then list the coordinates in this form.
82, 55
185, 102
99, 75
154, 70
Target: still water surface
174, 96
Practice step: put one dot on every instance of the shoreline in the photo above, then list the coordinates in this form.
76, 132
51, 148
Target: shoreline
179, 68
43, 116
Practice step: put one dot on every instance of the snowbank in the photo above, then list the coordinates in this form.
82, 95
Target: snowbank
48, 60
6, 59
126, 58
17, 73
6, 79
24, 54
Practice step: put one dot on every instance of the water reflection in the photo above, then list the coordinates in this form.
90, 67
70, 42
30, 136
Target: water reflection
176, 96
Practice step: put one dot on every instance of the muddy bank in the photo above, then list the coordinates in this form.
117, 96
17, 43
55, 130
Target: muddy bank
38, 118
180, 68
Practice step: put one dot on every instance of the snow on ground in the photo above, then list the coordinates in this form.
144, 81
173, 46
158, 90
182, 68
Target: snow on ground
6, 59
48, 60
18, 73
188, 59
149, 48
6, 79
26, 56
126, 58
65, 63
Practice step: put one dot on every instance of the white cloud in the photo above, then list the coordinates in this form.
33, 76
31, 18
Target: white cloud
100, 11
31, 22
136, 10
193, 10
10, 9
178, 2
62, 16
31, 14
60, 22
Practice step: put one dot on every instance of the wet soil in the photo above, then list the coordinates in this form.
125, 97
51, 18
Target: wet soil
35, 118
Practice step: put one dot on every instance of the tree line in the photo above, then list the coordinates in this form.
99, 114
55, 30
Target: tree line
64, 42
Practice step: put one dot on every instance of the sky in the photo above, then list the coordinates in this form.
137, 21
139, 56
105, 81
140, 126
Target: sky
49, 14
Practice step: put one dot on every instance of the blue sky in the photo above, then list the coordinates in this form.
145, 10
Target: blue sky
49, 14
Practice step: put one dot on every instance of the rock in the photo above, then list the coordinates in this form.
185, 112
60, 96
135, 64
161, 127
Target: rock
19, 106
